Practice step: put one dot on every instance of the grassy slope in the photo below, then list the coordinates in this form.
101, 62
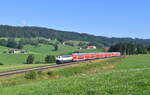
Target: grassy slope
112, 82
16, 61
48, 49
38, 49
2, 49
13, 59
134, 83
139, 61
40, 52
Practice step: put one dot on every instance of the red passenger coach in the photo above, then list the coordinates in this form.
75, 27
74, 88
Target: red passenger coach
109, 54
93, 55
86, 56
116, 54
100, 55
105, 55
83, 56
78, 56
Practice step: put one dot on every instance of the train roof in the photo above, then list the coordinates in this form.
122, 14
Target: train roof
93, 53
81, 53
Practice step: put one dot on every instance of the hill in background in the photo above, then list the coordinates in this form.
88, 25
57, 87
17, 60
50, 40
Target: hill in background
30, 32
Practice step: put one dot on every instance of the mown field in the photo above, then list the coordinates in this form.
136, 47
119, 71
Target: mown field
117, 76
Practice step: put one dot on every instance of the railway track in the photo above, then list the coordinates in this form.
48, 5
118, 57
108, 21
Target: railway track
40, 68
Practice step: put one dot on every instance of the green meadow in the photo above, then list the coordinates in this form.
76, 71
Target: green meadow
115, 76
48, 49
16, 61
137, 61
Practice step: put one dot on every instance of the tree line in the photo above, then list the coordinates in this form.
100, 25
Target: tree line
12, 43
48, 59
130, 49
61, 36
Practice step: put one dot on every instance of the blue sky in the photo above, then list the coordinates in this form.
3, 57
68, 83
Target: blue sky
117, 18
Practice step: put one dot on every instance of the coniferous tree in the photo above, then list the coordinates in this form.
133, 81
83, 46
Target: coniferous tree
128, 48
55, 47
148, 49
30, 59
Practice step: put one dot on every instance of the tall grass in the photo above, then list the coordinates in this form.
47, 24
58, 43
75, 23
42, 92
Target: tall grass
136, 61
114, 83
69, 71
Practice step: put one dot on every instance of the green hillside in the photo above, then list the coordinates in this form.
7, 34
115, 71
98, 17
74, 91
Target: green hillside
31, 32
3, 49
16, 61
13, 59
48, 49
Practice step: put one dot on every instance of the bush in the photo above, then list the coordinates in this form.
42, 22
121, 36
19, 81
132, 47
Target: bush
50, 59
50, 73
30, 59
39, 72
55, 47
31, 75
5, 52
1, 63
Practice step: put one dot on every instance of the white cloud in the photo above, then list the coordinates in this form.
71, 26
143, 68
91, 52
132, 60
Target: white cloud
24, 23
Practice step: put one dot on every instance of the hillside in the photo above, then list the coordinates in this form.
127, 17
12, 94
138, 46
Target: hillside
28, 32
40, 51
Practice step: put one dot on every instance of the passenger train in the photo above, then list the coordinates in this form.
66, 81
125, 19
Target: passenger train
85, 56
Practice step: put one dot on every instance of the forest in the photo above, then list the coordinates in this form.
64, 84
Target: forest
31, 32
130, 49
